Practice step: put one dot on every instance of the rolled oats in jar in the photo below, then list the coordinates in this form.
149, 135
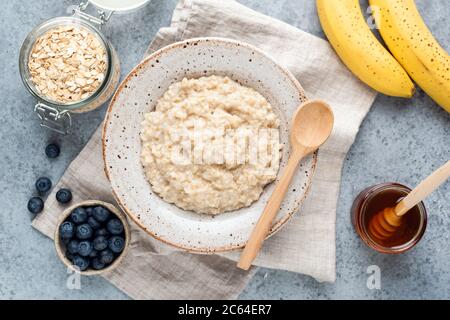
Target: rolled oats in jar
69, 66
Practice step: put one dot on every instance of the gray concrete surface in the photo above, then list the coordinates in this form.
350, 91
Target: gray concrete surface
400, 140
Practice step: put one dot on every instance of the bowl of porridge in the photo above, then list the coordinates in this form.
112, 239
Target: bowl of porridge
194, 138
196, 145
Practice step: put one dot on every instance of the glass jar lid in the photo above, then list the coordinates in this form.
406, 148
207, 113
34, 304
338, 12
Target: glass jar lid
120, 6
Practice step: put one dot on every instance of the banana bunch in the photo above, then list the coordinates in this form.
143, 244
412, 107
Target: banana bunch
416, 51
349, 34
413, 45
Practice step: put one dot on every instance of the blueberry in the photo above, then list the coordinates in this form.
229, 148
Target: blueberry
43, 184
52, 150
66, 230
102, 232
94, 253
89, 211
84, 231
78, 215
85, 248
116, 244
64, 196
100, 243
69, 256
106, 256
115, 226
80, 262
72, 246
97, 264
35, 205
101, 214
93, 223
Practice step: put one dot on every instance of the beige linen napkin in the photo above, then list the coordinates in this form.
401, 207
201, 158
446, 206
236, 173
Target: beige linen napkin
153, 270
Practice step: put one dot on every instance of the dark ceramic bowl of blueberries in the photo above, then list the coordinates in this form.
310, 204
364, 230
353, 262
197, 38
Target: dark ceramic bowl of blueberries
92, 237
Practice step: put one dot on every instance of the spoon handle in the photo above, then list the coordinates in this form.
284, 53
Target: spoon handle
420, 192
264, 223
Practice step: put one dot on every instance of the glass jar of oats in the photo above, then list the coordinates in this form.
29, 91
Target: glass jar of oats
68, 64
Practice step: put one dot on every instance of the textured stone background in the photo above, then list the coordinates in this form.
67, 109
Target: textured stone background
400, 140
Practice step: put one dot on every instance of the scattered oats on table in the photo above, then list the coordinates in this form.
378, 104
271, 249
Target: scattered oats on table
67, 64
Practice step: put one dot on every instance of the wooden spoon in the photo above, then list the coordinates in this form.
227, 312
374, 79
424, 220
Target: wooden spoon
311, 126
385, 223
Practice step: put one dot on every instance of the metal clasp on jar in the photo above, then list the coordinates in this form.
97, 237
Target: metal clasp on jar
80, 9
53, 119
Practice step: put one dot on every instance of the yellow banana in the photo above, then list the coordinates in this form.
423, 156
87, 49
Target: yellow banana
349, 34
413, 45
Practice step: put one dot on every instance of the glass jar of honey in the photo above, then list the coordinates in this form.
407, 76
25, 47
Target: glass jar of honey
373, 200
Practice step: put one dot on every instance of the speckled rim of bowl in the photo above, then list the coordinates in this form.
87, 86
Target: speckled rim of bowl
59, 245
277, 225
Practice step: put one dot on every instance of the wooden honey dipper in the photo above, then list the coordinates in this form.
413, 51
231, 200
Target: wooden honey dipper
386, 223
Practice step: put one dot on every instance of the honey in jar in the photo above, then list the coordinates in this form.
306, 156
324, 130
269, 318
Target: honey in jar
370, 202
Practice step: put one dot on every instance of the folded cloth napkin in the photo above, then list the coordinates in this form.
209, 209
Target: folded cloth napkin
152, 270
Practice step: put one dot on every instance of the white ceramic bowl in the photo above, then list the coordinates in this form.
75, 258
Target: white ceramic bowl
138, 94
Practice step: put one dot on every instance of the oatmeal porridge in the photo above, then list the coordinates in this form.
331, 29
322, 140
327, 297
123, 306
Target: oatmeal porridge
210, 145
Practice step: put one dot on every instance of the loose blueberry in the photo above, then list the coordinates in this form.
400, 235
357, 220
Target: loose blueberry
43, 184
106, 256
102, 232
115, 226
93, 223
101, 214
80, 262
35, 205
116, 244
66, 230
100, 243
72, 246
84, 231
85, 248
97, 264
78, 215
64, 196
52, 150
